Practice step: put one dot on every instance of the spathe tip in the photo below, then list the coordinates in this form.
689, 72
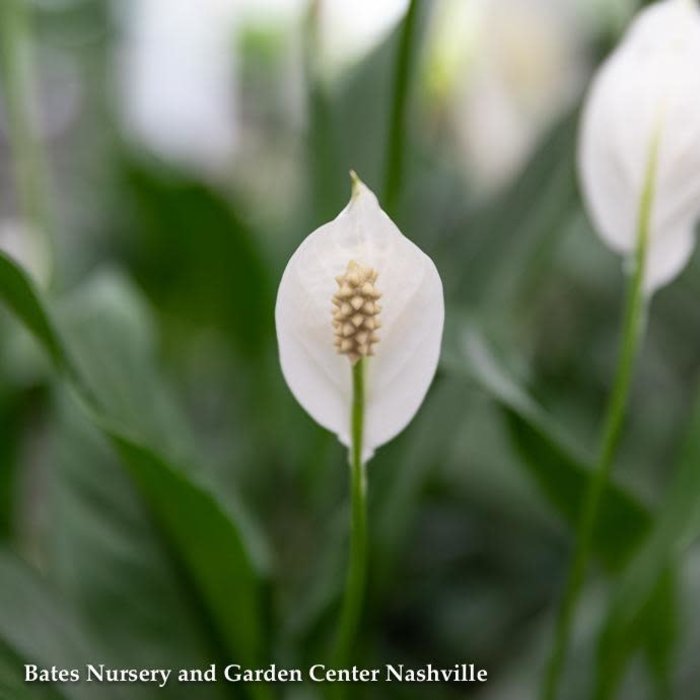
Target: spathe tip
357, 184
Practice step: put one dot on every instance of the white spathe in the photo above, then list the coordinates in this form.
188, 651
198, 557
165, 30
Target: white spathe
648, 88
412, 316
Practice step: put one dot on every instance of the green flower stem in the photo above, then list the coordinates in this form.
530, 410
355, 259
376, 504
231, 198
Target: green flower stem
396, 138
357, 570
16, 82
632, 330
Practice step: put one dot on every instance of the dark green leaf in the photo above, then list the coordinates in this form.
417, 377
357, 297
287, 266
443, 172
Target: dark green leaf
106, 553
557, 468
196, 257
11, 409
20, 296
109, 334
214, 551
646, 608
38, 628
219, 551
675, 528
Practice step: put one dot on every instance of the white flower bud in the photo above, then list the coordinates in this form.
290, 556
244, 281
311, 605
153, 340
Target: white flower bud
356, 288
647, 92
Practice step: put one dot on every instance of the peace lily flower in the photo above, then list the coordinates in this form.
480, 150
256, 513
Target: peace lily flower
179, 74
643, 112
640, 169
357, 291
359, 324
501, 72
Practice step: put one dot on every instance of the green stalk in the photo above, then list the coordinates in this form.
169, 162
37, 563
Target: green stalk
322, 139
357, 570
16, 79
632, 330
396, 138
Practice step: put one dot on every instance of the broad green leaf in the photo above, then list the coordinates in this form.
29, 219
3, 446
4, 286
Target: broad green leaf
197, 257
675, 529
19, 295
108, 331
37, 627
214, 551
105, 552
622, 526
177, 499
558, 469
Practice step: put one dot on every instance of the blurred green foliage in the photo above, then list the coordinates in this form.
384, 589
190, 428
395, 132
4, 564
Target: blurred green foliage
163, 500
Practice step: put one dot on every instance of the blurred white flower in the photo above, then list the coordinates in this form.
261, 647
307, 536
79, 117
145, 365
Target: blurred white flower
355, 288
349, 30
179, 79
179, 66
505, 69
645, 96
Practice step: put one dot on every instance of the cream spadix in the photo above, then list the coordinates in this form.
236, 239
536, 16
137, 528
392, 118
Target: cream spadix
358, 289
647, 96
